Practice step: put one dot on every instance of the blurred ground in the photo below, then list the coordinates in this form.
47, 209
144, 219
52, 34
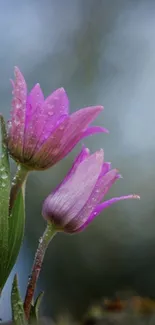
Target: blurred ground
101, 52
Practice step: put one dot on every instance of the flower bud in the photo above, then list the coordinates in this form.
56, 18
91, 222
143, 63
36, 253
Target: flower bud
76, 201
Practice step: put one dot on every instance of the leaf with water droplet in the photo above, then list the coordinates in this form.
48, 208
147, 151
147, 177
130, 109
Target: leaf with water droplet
16, 229
18, 314
4, 203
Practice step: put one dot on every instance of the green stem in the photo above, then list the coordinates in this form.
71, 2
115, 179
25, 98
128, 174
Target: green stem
38, 260
17, 183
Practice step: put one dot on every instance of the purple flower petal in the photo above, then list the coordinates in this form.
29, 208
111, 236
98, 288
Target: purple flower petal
46, 116
92, 130
101, 187
49, 151
35, 101
84, 153
66, 136
98, 209
34, 104
107, 203
55, 108
105, 168
79, 186
17, 123
78, 122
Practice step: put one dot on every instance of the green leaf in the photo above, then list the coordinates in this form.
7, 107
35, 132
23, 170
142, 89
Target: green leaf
18, 314
4, 203
11, 227
34, 315
16, 229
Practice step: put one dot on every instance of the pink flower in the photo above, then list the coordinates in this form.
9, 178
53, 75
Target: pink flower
76, 201
41, 132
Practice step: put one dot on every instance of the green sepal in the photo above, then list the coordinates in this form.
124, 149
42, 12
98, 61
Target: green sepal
4, 203
34, 315
18, 314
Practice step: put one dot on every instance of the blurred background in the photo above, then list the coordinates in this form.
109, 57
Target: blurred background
102, 52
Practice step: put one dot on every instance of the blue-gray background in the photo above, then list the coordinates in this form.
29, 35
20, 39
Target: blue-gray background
101, 52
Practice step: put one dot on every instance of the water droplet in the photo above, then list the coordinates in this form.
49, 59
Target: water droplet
61, 127
55, 151
50, 113
38, 268
2, 155
9, 124
19, 303
4, 176
18, 105
40, 240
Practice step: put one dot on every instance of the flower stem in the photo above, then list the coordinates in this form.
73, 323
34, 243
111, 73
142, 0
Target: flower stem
17, 183
38, 260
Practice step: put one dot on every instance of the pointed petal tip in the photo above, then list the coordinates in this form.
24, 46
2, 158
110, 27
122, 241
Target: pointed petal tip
100, 129
116, 171
108, 163
99, 155
61, 90
93, 109
19, 76
85, 150
130, 196
16, 70
12, 83
98, 108
105, 130
116, 174
93, 130
101, 150
36, 87
108, 203
135, 196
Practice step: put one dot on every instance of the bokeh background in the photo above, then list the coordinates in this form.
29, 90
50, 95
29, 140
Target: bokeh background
101, 52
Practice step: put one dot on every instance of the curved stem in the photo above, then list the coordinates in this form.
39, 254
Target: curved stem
38, 260
17, 183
